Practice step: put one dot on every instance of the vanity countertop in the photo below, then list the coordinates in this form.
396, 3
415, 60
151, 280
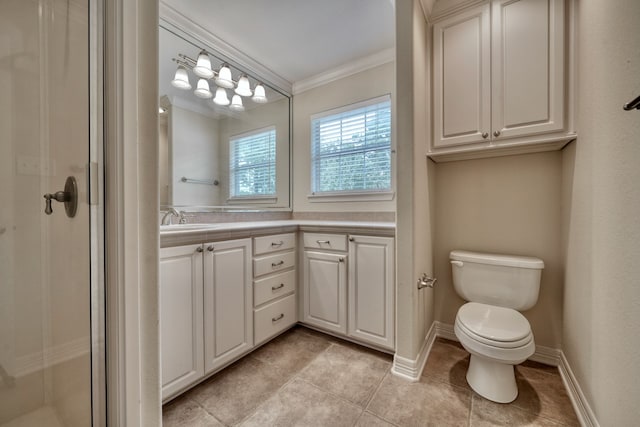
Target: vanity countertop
184, 234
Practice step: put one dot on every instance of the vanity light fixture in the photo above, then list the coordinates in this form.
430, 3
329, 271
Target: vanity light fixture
243, 89
181, 79
236, 103
222, 78
203, 66
221, 97
203, 91
259, 95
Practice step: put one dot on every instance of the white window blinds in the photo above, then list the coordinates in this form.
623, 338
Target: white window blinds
351, 148
253, 163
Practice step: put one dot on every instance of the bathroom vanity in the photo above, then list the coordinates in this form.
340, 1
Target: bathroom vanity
226, 289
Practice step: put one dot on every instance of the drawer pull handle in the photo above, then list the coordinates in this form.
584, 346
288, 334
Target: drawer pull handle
280, 243
277, 264
275, 319
323, 242
275, 288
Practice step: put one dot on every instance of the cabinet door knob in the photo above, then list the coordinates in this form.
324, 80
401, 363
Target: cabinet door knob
341, 259
485, 135
351, 239
496, 133
199, 249
210, 248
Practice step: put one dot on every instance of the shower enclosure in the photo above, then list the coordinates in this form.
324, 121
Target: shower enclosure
49, 304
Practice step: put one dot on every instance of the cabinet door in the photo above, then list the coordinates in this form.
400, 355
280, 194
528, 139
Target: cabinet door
181, 337
371, 290
228, 302
325, 291
461, 78
528, 67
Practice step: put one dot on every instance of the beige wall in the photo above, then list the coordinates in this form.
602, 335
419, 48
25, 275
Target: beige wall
508, 205
194, 149
358, 87
601, 218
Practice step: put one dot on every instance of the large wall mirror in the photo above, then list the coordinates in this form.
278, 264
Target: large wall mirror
224, 136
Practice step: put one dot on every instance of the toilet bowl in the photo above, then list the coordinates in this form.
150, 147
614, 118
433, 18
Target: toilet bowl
497, 339
490, 326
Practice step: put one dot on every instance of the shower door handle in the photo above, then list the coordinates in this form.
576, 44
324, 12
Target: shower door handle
69, 197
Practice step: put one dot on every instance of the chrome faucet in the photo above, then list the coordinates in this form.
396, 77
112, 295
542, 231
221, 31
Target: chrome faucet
166, 219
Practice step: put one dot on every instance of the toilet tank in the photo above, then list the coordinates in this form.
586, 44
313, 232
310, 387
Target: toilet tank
503, 280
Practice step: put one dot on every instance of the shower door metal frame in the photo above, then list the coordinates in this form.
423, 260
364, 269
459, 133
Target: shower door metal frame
97, 213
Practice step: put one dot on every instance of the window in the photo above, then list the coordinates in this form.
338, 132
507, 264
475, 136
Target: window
351, 148
253, 163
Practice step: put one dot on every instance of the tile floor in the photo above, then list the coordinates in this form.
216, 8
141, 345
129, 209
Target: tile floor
305, 378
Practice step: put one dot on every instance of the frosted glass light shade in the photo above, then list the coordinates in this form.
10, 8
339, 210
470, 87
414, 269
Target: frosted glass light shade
259, 94
224, 78
236, 103
203, 91
203, 66
181, 79
244, 88
221, 97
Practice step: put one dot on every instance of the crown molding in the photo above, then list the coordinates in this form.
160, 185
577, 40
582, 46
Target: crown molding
361, 64
443, 8
177, 20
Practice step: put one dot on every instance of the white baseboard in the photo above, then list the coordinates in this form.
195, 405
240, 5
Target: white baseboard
445, 330
579, 401
411, 369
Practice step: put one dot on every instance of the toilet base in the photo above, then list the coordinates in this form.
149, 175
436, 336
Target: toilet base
492, 380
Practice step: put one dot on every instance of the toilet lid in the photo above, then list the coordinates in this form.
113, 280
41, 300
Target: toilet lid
494, 323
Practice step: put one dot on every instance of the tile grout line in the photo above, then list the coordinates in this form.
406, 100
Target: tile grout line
205, 410
366, 409
293, 377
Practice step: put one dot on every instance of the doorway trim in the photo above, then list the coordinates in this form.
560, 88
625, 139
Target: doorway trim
131, 211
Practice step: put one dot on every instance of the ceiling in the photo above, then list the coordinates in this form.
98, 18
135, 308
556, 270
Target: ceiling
297, 39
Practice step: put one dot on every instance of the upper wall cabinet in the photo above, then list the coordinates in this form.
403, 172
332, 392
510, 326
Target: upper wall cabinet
499, 80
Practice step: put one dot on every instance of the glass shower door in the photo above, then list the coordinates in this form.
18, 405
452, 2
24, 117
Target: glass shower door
45, 321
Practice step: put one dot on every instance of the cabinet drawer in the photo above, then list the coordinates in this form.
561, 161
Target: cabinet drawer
278, 242
333, 242
265, 290
274, 318
272, 263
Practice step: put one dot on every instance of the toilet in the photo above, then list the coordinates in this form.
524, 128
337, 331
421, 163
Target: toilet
490, 326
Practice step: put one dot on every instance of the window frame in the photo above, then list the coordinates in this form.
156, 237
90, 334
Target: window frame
256, 198
352, 195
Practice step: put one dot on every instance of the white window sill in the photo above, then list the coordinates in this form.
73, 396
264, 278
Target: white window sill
253, 200
371, 196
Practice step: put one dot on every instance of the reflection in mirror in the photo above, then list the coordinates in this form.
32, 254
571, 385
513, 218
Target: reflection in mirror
224, 136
